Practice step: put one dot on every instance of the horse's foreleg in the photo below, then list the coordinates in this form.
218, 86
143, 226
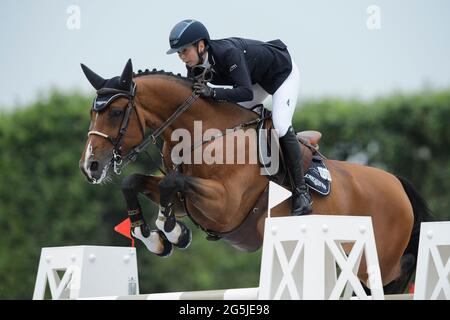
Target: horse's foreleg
154, 240
175, 231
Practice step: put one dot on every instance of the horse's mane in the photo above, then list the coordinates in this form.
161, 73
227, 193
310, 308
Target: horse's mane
186, 81
178, 76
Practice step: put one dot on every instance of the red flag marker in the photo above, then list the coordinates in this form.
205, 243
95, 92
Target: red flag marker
411, 288
124, 228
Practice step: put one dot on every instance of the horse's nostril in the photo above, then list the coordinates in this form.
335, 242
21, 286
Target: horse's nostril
94, 166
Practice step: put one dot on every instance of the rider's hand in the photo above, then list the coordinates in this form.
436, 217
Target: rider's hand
203, 90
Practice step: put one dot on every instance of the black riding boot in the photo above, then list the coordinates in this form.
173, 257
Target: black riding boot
301, 199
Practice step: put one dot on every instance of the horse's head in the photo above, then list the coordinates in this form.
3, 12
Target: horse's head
115, 126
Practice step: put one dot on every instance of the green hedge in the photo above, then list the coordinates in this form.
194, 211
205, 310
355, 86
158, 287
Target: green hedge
45, 200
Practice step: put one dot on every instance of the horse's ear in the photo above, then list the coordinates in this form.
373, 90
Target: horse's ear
127, 75
96, 81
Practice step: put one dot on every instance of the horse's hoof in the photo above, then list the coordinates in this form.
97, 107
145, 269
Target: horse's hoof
185, 238
167, 245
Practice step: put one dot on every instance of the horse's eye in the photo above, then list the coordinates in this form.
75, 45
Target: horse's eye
116, 112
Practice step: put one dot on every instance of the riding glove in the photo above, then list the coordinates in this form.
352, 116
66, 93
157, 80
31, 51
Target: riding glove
204, 91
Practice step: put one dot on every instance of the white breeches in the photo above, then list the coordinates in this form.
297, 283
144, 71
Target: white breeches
284, 100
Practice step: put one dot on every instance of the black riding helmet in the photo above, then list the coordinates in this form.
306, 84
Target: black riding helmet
185, 33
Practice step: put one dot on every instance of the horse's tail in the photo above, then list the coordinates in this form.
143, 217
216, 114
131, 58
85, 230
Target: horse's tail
408, 261
421, 214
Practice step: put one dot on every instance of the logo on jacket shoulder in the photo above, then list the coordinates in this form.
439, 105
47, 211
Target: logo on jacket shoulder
234, 66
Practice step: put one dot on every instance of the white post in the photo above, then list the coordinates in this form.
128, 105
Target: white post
87, 271
300, 255
433, 262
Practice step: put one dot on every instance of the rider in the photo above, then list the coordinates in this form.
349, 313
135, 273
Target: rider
255, 69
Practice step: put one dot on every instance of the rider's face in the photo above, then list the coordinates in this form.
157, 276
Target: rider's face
190, 56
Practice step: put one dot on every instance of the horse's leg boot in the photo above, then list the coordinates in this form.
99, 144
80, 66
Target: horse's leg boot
154, 240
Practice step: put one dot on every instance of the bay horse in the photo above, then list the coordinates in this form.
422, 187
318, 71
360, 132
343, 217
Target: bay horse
224, 199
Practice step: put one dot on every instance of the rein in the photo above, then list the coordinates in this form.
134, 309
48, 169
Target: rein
131, 156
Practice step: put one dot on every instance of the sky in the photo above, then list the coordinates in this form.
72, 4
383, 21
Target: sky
345, 48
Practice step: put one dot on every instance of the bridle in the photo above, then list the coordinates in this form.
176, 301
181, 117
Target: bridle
132, 155
117, 141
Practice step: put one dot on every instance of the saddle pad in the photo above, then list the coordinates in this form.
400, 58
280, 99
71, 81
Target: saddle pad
318, 177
